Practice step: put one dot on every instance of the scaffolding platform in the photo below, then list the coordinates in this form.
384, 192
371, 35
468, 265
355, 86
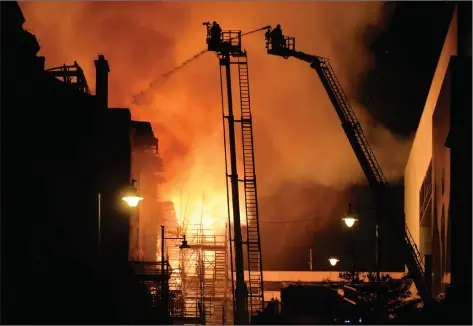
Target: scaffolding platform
203, 281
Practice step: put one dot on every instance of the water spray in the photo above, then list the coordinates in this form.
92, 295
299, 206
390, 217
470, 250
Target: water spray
165, 76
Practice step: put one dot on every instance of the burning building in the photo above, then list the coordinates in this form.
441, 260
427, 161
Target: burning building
438, 172
66, 161
146, 170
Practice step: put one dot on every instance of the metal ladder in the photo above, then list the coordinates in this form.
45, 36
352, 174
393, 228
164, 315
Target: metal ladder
255, 268
372, 168
220, 272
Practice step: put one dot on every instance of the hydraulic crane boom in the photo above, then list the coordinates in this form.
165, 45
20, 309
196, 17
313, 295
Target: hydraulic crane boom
285, 47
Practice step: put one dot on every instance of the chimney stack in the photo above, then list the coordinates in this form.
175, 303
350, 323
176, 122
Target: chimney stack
101, 82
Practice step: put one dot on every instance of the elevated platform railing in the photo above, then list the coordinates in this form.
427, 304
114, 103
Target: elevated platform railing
229, 42
289, 44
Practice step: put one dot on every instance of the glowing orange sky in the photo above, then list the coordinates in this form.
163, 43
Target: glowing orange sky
298, 137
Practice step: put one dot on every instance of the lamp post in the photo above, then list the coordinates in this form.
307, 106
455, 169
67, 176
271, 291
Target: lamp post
132, 198
184, 245
333, 261
350, 220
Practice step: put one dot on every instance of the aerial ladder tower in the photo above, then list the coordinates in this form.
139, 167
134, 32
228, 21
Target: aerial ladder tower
284, 46
247, 300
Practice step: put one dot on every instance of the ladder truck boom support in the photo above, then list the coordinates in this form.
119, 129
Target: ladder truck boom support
361, 147
249, 297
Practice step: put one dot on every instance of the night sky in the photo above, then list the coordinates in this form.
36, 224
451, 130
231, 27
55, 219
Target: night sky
406, 54
406, 57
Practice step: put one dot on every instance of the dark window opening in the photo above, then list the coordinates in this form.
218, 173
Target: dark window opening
425, 198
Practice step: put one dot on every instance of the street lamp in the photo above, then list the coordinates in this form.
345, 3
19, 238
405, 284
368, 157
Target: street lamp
132, 196
351, 217
184, 244
348, 220
333, 261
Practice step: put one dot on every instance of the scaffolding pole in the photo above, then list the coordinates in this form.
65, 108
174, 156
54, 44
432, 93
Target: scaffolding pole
203, 282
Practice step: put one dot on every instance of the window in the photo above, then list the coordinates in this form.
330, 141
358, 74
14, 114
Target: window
425, 197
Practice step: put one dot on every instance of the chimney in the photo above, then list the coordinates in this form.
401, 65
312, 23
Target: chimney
101, 82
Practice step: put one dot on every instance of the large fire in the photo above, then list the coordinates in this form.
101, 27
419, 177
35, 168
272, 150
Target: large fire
297, 135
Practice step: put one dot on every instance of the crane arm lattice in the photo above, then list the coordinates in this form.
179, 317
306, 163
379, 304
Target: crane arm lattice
360, 145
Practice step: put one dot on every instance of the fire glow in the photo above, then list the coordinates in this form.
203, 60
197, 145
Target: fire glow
297, 135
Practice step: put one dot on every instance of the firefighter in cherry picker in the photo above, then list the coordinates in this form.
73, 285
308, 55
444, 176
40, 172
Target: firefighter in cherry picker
215, 35
277, 38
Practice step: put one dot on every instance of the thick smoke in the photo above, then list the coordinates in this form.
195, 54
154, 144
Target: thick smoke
298, 137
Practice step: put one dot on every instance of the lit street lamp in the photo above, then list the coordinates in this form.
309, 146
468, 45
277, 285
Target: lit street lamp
333, 261
132, 197
351, 217
350, 220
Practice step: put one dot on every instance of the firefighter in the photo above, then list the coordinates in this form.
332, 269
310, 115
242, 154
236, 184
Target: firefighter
215, 32
277, 38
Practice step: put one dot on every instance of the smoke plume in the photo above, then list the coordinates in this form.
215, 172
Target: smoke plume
298, 137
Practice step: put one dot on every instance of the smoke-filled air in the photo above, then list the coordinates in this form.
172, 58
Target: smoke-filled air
299, 142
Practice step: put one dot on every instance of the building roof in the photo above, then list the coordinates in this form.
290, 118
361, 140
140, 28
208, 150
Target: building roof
143, 133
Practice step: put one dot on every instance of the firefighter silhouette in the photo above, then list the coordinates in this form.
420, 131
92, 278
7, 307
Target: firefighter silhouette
277, 37
215, 35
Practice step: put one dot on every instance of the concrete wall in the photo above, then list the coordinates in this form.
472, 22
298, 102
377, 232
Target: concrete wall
421, 151
441, 181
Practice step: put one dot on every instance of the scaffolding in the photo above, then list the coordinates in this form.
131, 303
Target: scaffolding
72, 75
200, 286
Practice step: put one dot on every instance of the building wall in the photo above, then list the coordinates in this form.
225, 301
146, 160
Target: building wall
58, 154
421, 151
115, 174
150, 216
441, 188
146, 169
